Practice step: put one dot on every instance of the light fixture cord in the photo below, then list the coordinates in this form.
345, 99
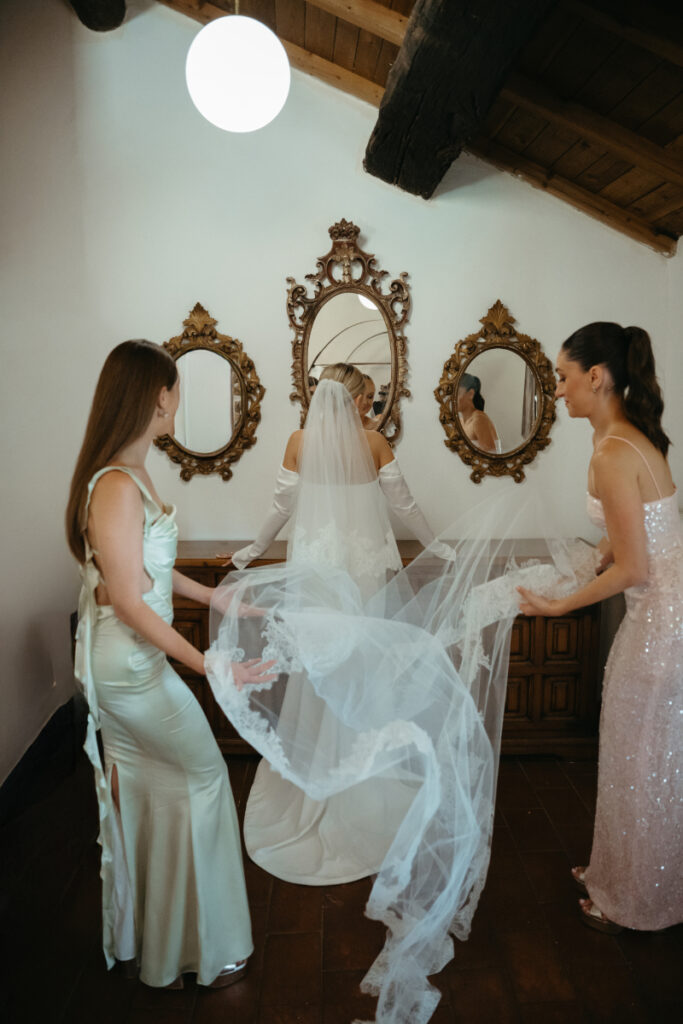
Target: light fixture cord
237, 7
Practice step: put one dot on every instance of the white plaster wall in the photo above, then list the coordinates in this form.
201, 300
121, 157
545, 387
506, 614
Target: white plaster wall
122, 208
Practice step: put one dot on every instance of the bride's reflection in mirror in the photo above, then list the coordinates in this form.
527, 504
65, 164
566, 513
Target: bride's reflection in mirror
350, 328
350, 311
370, 417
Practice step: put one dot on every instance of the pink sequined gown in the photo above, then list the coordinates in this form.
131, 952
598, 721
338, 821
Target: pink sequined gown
635, 875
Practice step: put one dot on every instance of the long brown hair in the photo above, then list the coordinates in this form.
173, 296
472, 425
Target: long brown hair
122, 408
627, 354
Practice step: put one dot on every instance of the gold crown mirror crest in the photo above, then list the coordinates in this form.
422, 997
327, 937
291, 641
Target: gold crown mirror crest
349, 313
497, 398
220, 399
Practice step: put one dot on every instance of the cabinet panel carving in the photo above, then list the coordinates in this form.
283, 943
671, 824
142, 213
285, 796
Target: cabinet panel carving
520, 640
559, 697
517, 699
561, 639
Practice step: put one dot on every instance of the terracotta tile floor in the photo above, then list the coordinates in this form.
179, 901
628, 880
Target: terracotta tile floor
528, 960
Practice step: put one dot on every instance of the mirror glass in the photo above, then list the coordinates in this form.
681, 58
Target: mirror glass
209, 407
350, 328
511, 401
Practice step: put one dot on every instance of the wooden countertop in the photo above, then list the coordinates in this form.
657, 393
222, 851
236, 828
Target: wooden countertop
205, 552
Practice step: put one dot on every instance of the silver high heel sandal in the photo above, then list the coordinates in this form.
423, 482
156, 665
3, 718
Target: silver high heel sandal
230, 974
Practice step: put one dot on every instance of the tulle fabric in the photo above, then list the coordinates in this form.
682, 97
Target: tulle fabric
341, 519
392, 692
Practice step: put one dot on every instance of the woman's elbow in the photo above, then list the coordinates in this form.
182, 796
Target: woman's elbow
635, 575
125, 610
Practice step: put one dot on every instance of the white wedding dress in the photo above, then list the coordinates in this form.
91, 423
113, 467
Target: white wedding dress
381, 735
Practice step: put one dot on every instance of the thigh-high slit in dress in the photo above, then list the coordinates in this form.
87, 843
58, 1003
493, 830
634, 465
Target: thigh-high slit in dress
173, 892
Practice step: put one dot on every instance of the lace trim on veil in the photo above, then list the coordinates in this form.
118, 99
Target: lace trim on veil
350, 550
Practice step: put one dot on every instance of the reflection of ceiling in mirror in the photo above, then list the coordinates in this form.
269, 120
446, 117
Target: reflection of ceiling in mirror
204, 420
346, 331
509, 391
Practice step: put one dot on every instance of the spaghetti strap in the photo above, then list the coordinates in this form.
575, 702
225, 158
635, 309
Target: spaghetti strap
615, 437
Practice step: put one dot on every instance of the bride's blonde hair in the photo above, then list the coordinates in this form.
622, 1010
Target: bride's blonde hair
348, 375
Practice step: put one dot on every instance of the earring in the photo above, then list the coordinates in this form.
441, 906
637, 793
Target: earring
163, 414
594, 388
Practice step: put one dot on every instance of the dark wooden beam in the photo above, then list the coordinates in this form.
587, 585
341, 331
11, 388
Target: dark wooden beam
594, 205
647, 26
622, 142
449, 70
100, 15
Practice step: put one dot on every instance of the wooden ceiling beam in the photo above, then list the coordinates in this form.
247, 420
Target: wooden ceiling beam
196, 9
366, 14
665, 209
620, 141
448, 72
667, 44
303, 60
333, 74
594, 205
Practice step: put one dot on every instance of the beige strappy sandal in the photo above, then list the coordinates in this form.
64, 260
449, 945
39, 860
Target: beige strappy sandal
579, 878
592, 917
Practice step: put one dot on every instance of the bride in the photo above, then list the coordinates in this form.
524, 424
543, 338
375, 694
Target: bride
332, 478
380, 736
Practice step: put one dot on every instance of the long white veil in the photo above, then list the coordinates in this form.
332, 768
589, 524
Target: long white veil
409, 677
341, 519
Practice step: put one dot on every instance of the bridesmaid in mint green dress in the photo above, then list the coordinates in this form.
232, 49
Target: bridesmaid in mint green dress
173, 892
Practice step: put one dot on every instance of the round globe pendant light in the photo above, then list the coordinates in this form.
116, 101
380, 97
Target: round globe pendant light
237, 73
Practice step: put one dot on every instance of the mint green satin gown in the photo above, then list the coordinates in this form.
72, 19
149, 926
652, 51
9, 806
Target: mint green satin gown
173, 891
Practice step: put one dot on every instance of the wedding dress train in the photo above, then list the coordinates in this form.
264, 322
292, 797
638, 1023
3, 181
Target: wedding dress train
382, 732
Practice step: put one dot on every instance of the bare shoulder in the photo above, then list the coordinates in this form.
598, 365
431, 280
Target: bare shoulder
291, 456
379, 447
615, 467
625, 453
116, 491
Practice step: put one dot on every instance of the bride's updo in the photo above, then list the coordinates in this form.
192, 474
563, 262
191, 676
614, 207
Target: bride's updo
348, 375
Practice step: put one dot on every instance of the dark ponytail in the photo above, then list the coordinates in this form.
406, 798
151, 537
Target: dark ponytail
471, 383
627, 354
643, 401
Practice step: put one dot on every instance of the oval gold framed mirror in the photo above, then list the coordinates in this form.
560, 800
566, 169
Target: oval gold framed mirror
497, 398
220, 399
351, 317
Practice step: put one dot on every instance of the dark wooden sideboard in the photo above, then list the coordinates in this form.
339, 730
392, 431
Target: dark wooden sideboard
553, 680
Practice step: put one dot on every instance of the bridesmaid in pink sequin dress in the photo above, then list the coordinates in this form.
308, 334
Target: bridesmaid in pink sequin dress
635, 876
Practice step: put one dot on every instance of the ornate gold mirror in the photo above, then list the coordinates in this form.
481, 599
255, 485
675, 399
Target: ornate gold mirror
351, 317
497, 398
220, 399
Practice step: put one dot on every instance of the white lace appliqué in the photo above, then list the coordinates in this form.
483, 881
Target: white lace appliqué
350, 550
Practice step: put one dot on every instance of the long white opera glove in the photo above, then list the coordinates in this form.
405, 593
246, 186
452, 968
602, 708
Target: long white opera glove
286, 485
401, 501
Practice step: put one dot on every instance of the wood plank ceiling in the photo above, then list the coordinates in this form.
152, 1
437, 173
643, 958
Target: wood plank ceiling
590, 109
